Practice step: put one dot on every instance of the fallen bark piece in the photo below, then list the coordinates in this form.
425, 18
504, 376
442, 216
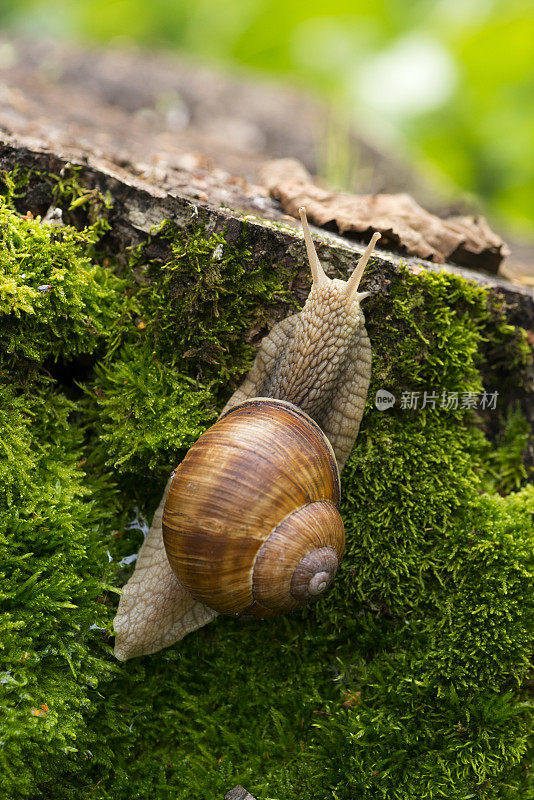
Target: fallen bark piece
238, 793
402, 222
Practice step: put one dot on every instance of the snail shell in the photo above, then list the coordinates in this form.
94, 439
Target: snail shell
251, 524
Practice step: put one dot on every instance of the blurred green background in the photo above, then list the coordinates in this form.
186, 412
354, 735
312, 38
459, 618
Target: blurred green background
448, 84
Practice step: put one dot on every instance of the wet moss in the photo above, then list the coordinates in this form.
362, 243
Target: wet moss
405, 681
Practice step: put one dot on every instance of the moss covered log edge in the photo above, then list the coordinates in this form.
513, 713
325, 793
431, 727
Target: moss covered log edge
409, 680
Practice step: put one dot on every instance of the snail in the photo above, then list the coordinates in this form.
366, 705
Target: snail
257, 495
249, 522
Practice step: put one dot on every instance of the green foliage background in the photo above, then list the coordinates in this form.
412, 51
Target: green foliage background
475, 137
406, 681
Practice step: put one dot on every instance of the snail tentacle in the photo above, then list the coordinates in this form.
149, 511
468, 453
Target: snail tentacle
318, 274
354, 280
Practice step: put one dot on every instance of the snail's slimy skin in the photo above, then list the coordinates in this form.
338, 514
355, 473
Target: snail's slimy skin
155, 610
319, 360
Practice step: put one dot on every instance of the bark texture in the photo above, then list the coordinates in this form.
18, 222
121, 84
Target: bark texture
238, 793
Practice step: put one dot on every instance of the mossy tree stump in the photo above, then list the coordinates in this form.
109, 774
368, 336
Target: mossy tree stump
129, 314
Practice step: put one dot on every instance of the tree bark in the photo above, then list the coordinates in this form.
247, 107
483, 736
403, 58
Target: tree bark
238, 793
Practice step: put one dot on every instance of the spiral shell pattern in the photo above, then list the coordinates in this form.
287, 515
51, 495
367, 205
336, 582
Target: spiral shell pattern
251, 524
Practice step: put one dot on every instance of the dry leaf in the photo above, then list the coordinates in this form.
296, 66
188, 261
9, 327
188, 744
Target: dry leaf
402, 222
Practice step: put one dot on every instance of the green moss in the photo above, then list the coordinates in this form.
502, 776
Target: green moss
82, 207
54, 302
404, 682
505, 464
428, 334
52, 578
147, 413
196, 313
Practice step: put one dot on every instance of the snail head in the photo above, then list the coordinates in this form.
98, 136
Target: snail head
333, 294
327, 337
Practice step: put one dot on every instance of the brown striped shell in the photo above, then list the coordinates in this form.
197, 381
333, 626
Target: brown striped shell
251, 524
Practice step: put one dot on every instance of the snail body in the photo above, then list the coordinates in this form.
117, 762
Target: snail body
251, 522
248, 524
